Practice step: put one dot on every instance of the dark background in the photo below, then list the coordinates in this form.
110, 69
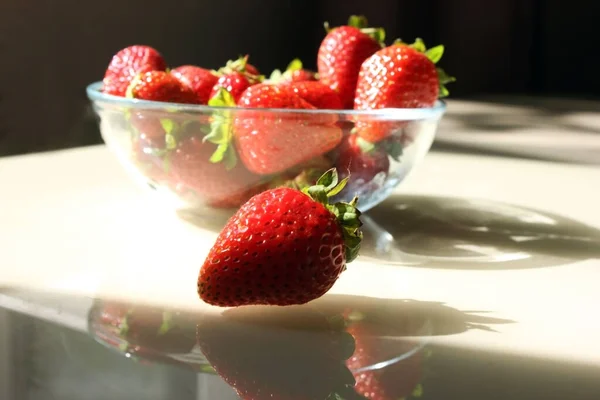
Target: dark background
52, 49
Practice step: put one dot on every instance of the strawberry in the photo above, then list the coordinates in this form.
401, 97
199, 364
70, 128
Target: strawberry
200, 80
398, 76
398, 380
343, 51
236, 77
282, 247
128, 63
317, 94
361, 160
291, 354
160, 86
272, 142
294, 73
217, 184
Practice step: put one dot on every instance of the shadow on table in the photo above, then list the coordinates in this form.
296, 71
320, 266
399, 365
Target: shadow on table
459, 233
521, 116
509, 114
456, 233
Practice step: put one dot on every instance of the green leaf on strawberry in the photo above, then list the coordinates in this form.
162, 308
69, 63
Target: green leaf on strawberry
444, 79
347, 215
434, 55
294, 65
360, 22
221, 133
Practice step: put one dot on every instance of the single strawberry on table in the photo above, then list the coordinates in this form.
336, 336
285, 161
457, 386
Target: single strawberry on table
128, 63
271, 142
200, 80
282, 247
235, 77
343, 51
398, 76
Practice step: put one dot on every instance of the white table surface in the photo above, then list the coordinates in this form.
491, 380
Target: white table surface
72, 222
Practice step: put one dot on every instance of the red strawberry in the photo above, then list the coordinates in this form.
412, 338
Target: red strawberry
398, 76
294, 73
200, 80
291, 354
160, 86
395, 381
252, 70
343, 51
269, 142
361, 160
282, 247
236, 77
317, 94
215, 183
128, 63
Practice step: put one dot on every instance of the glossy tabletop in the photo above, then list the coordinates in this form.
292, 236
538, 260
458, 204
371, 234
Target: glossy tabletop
476, 266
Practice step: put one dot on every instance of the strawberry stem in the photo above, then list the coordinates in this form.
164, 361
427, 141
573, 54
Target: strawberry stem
239, 65
360, 22
347, 215
221, 132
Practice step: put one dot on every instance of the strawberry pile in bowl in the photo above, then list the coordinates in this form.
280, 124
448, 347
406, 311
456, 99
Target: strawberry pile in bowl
218, 137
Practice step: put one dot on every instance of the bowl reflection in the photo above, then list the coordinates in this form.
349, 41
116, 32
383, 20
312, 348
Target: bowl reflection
348, 345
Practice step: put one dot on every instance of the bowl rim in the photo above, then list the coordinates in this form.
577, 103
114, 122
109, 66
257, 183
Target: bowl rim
97, 96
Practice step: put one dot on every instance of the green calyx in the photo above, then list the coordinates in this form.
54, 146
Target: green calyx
277, 76
134, 82
239, 65
303, 180
360, 22
434, 55
165, 326
347, 215
221, 130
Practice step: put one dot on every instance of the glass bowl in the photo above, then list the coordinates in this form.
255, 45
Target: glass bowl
219, 157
